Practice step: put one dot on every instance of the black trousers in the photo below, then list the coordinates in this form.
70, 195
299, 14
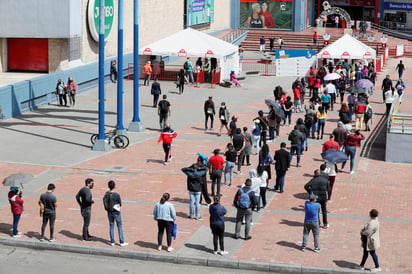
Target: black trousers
63, 99
324, 212
162, 225
218, 232
87, 214
155, 99
166, 148
50, 216
211, 116
216, 178
205, 194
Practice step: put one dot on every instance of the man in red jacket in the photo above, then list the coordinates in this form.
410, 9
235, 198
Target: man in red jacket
330, 144
166, 136
16, 204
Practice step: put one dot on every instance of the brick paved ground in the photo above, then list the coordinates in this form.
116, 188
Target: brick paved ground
53, 145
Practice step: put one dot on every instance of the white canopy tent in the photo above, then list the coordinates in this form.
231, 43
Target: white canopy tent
193, 43
347, 47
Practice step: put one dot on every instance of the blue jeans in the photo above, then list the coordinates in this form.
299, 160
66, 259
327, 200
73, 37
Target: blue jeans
351, 152
16, 219
194, 199
294, 149
229, 169
288, 115
115, 216
280, 180
314, 126
271, 133
321, 127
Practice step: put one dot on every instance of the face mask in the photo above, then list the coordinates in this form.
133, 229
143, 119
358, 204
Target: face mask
91, 185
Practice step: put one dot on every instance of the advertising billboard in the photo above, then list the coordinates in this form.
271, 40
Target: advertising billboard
270, 14
199, 12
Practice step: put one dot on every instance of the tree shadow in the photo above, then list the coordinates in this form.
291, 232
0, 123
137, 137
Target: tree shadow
303, 196
33, 234
199, 247
144, 244
157, 161
290, 223
300, 208
289, 244
5, 228
181, 200
345, 264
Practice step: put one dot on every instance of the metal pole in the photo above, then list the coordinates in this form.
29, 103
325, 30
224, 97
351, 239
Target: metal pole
120, 128
135, 124
101, 144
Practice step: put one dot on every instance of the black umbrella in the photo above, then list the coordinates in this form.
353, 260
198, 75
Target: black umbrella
277, 108
334, 156
356, 90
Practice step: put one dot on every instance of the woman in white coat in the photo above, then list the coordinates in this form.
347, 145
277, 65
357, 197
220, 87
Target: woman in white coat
370, 240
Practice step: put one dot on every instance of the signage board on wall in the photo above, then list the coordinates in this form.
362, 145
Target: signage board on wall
200, 12
270, 14
397, 6
93, 18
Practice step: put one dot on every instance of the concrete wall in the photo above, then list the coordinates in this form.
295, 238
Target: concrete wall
398, 148
3, 55
40, 18
58, 54
222, 15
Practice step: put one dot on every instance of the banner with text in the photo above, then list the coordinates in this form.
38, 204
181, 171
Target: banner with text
200, 12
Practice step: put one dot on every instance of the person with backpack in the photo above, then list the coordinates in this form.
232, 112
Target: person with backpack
156, 91
224, 116
265, 160
256, 131
71, 90
165, 215
166, 136
189, 70
16, 205
295, 138
112, 204
205, 193
48, 202
243, 203
360, 110
310, 120
164, 111
368, 117
302, 128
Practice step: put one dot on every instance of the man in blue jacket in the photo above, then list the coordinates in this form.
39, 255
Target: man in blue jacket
311, 222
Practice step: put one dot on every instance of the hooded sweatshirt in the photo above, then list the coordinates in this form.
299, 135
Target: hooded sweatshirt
255, 182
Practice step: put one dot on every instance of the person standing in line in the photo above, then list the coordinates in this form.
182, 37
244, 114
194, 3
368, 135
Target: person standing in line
243, 203
330, 144
368, 117
400, 68
371, 240
265, 160
233, 126
113, 71
262, 44
209, 109
271, 43
256, 132
181, 79
282, 164
360, 110
230, 155
311, 222
164, 111
263, 126
61, 91
263, 177
321, 117
71, 90
114, 213
224, 116
248, 146
189, 71
319, 186
326, 99
195, 174
330, 170
295, 138
351, 105
288, 108
217, 164
165, 215
148, 72
239, 143
49, 203
340, 134
217, 225
16, 205
156, 91
85, 200
352, 142
166, 137
331, 89
280, 42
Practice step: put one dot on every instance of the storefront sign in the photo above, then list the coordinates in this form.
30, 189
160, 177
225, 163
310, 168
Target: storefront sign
93, 18
199, 12
358, 3
270, 14
397, 6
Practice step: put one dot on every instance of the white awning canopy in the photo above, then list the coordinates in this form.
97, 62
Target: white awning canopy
347, 47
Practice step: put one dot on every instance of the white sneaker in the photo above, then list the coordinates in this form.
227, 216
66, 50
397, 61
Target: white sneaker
112, 244
124, 244
52, 240
352, 172
215, 252
170, 249
165, 163
223, 252
376, 269
159, 248
16, 236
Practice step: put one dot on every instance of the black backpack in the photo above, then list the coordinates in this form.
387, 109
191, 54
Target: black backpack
164, 106
186, 66
108, 201
309, 120
277, 92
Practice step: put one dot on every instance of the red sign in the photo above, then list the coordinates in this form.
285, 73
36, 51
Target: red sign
209, 54
325, 55
182, 53
367, 55
147, 51
345, 55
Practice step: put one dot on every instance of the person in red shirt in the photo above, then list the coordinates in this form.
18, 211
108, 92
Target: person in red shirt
216, 165
330, 144
359, 115
352, 142
16, 204
267, 15
315, 38
311, 81
166, 136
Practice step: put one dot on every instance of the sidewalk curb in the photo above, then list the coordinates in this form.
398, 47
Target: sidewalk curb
174, 258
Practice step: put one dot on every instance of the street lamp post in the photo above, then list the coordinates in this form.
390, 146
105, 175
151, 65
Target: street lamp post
120, 127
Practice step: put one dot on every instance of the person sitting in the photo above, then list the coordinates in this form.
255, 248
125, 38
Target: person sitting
234, 80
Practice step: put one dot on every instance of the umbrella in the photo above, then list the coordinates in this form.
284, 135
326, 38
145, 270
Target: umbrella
278, 109
364, 83
334, 156
17, 179
331, 76
341, 70
356, 90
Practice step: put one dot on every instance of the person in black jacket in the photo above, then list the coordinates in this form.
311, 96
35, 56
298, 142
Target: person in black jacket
209, 109
217, 225
302, 128
281, 159
296, 138
156, 91
195, 176
85, 200
113, 71
319, 185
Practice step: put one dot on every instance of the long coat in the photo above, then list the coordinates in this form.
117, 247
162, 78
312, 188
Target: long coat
371, 231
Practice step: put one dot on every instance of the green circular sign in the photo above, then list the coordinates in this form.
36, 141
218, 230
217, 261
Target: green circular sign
94, 15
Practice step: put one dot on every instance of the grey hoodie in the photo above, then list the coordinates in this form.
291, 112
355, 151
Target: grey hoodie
255, 182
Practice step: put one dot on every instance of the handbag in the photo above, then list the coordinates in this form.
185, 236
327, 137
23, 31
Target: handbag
174, 231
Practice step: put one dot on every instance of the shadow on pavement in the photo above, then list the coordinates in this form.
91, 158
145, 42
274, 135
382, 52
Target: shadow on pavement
303, 196
33, 234
154, 161
144, 244
181, 200
345, 264
147, 106
290, 223
375, 145
300, 208
289, 244
182, 214
307, 175
230, 219
70, 234
199, 247
5, 228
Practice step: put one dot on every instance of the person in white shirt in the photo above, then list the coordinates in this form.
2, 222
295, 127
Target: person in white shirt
331, 89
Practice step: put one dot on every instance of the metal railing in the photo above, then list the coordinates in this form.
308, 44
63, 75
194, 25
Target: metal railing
233, 35
392, 32
399, 122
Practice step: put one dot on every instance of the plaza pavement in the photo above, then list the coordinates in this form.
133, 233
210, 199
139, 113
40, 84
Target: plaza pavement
53, 144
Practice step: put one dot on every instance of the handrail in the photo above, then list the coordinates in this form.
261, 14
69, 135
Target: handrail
398, 119
391, 32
